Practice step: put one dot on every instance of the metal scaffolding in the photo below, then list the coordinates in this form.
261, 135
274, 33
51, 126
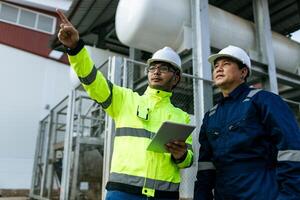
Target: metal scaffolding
77, 125
69, 150
78, 128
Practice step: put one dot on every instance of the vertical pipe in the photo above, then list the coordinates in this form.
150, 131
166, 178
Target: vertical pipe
114, 75
46, 158
51, 153
65, 180
264, 40
76, 156
125, 73
53, 130
75, 178
201, 68
134, 54
36, 155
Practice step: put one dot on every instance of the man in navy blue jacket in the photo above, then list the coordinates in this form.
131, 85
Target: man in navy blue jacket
250, 140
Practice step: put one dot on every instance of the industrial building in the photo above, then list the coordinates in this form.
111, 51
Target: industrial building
69, 135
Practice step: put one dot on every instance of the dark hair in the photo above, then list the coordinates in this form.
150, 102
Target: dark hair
177, 72
241, 66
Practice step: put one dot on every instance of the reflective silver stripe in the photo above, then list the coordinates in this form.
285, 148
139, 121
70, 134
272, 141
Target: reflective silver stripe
289, 155
140, 182
134, 132
89, 79
213, 110
205, 166
251, 94
108, 101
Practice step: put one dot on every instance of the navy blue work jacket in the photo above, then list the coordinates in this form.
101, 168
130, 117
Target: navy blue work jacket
250, 149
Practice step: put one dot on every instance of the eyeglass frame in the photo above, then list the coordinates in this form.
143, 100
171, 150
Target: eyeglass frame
169, 68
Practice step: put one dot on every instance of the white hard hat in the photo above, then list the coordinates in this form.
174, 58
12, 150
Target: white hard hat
168, 55
233, 52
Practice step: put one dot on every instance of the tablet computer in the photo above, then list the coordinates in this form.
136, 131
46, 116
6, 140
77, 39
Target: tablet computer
168, 132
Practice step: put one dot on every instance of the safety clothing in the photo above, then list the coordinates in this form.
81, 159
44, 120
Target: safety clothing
168, 55
119, 195
250, 149
137, 119
233, 52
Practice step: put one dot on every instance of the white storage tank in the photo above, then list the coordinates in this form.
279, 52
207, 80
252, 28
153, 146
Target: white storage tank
151, 24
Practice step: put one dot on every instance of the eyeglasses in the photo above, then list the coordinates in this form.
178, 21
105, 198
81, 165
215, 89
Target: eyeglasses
161, 68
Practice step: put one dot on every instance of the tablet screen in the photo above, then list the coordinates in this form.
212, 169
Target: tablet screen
168, 132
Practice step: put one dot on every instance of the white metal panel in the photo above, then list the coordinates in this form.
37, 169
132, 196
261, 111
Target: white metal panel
99, 56
151, 24
28, 83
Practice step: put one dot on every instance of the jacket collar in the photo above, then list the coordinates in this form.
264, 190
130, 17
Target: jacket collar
236, 93
238, 90
159, 93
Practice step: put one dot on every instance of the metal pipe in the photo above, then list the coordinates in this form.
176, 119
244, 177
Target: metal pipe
226, 28
173, 28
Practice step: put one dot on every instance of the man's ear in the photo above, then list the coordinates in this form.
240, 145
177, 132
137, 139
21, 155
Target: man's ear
176, 78
245, 71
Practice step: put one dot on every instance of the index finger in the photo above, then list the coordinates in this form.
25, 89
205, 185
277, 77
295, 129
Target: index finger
62, 16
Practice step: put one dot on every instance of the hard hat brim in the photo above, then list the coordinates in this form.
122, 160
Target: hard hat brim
213, 57
151, 60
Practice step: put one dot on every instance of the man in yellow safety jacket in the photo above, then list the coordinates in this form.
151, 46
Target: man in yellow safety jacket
135, 172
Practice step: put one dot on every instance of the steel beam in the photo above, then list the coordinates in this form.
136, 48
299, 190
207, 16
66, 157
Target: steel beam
264, 41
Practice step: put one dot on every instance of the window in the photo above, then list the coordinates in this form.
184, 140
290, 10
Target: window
8, 13
27, 18
45, 23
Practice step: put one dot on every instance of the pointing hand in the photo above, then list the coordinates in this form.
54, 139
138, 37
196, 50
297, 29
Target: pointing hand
67, 35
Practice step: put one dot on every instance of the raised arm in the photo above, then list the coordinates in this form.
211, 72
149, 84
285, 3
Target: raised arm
97, 86
67, 35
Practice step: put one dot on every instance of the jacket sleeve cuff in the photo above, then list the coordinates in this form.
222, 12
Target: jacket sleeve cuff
180, 160
185, 161
77, 49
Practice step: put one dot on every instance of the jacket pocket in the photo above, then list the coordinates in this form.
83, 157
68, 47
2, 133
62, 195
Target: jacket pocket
216, 140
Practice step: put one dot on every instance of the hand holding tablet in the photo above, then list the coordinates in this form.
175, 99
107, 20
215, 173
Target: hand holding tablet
169, 131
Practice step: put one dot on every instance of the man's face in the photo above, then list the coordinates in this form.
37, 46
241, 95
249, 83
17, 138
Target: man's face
226, 73
162, 76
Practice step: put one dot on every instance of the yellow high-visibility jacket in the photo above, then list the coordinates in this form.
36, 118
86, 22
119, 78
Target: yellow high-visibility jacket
137, 118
